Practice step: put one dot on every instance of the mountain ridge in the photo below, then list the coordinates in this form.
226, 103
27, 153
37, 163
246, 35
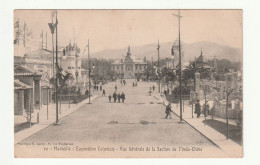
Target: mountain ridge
190, 51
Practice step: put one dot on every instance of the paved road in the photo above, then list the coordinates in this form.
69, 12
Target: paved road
139, 121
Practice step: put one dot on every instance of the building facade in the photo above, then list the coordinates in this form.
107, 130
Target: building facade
129, 67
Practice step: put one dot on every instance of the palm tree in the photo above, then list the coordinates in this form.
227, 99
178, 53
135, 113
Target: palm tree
188, 74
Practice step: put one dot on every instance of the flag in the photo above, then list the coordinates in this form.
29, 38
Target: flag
52, 27
16, 25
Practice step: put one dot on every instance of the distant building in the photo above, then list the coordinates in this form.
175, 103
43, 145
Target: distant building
32, 72
129, 67
42, 60
71, 61
200, 63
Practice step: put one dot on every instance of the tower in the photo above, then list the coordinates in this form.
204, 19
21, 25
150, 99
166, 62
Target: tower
129, 52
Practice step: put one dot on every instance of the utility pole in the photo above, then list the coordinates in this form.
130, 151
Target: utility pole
46, 41
42, 38
179, 17
158, 49
24, 29
56, 82
89, 71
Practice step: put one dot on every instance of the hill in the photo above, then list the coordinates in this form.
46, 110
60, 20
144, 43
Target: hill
191, 50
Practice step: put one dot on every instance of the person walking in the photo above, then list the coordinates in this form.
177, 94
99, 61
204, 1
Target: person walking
114, 96
118, 97
115, 87
206, 108
100, 88
133, 84
123, 97
197, 108
168, 111
109, 98
86, 92
104, 93
153, 87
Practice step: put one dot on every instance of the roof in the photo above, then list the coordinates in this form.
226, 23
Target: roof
42, 53
20, 85
23, 70
118, 61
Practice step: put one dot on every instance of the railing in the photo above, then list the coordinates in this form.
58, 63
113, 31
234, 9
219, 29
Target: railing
175, 98
72, 99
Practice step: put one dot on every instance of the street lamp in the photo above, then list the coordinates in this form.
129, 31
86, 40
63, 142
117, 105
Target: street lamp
158, 49
90, 69
179, 17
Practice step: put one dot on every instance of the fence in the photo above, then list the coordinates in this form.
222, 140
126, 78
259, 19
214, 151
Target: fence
73, 99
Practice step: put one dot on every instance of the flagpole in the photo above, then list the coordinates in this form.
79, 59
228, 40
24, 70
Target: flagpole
180, 65
89, 71
46, 41
56, 82
42, 39
24, 34
18, 32
52, 48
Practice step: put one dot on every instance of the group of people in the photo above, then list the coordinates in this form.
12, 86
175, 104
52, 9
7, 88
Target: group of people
117, 97
134, 84
151, 89
205, 108
96, 87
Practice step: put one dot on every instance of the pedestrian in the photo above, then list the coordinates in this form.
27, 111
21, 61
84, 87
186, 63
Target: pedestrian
109, 98
104, 92
133, 84
118, 97
168, 90
136, 84
206, 108
150, 91
165, 92
100, 87
168, 111
115, 87
114, 96
197, 108
123, 97
86, 92
153, 87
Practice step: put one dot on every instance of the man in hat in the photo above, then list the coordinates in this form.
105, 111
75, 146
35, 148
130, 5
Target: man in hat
197, 108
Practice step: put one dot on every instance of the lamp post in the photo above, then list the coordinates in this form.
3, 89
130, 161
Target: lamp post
89, 72
179, 17
56, 80
158, 49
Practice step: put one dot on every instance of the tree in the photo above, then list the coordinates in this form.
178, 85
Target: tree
188, 74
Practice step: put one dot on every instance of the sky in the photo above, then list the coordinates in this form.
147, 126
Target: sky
115, 29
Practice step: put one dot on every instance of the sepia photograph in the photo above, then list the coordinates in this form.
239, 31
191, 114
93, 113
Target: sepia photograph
139, 83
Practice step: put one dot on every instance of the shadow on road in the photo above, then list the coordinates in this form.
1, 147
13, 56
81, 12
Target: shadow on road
235, 132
